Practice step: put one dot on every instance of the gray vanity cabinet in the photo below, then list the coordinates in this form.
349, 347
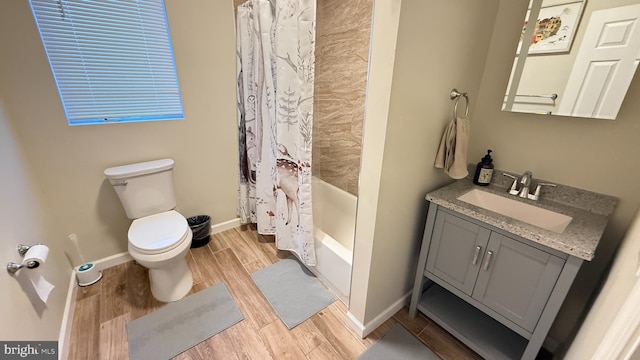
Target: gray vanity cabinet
495, 291
456, 251
516, 279
507, 276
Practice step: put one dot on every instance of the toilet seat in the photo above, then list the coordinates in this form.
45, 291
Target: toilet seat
158, 233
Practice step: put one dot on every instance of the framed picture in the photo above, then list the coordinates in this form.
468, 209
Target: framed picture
555, 28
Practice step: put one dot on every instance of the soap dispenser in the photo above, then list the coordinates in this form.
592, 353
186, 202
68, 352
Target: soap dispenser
484, 170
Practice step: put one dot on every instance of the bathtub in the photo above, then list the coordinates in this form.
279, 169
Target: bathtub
334, 218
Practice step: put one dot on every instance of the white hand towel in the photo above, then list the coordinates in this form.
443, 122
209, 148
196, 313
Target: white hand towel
452, 153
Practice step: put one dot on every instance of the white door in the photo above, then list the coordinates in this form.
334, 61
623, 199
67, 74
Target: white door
605, 64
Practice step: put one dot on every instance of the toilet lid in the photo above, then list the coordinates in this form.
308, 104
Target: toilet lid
158, 232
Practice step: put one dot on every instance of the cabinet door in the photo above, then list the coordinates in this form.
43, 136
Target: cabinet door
456, 251
516, 280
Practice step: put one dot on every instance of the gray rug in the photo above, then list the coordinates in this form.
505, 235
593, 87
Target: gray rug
180, 325
398, 344
292, 290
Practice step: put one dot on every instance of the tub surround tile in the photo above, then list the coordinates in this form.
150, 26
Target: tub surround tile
590, 212
356, 129
340, 115
343, 13
342, 52
346, 153
346, 181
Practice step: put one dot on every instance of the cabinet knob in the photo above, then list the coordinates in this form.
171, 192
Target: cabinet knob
476, 255
487, 260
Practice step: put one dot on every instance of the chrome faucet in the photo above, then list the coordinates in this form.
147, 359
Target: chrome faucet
536, 195
525, 183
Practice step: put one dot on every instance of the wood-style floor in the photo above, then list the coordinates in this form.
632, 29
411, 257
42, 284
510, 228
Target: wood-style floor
103, 309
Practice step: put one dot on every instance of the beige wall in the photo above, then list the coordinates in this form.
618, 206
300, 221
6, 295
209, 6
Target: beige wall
22, 220
68, 162
597, 155
342, 61
392, 212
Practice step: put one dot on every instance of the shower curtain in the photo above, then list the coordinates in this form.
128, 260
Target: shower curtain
275, 65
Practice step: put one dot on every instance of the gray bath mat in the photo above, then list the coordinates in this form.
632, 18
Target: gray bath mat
398, 343
180, 325
292, 290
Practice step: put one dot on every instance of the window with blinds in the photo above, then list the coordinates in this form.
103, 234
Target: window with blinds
112, 60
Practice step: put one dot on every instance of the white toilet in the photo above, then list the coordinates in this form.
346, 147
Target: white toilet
159, 237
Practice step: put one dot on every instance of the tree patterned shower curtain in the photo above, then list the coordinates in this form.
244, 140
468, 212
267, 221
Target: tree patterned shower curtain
275, 64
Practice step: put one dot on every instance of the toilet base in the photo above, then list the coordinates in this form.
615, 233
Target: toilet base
169, 274
171, 283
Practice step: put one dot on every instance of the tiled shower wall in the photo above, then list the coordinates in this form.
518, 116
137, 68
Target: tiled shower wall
342, 58
342, 55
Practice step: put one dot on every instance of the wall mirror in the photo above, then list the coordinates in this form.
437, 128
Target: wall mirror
575, 58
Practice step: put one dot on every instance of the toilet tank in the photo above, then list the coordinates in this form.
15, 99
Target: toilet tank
144, 188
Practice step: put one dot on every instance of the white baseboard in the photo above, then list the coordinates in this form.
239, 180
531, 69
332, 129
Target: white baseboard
223, 226
67, 318
124, 257
112, 260
365, 329
355, 324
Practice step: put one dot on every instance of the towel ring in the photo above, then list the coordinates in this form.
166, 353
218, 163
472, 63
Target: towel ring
455, 94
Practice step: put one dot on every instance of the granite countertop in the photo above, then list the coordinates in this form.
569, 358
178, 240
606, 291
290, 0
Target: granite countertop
590, 212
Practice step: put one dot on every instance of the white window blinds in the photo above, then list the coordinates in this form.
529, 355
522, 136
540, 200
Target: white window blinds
112, 60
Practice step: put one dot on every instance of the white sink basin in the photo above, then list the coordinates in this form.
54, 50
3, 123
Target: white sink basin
530, 214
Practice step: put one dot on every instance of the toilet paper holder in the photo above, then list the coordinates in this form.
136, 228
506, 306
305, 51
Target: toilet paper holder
13, 268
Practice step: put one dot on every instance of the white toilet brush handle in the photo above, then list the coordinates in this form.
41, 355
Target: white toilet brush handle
74, 240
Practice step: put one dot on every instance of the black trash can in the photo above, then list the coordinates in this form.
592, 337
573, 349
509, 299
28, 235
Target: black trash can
201, 228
